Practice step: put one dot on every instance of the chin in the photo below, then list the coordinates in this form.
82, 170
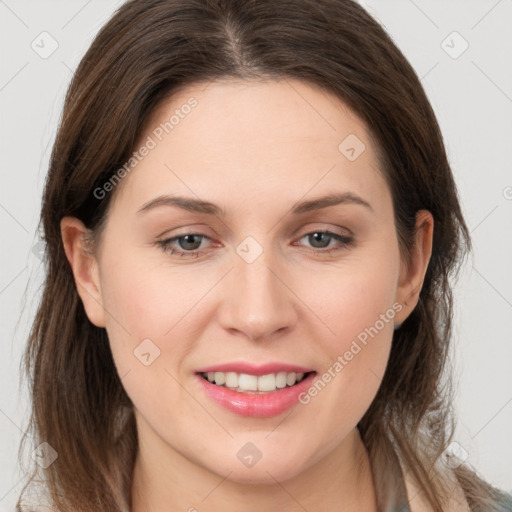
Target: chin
262, 472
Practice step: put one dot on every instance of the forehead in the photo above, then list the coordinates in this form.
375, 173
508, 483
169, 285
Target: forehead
274, 112
253, 138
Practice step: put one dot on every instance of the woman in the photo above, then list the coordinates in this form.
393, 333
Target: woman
250, 223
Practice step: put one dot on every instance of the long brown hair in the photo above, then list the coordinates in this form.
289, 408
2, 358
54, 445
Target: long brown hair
145, 53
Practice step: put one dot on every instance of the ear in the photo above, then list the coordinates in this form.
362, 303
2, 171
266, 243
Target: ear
412, 274
84, 267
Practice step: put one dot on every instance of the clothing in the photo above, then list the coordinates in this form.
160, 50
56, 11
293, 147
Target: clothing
505, 505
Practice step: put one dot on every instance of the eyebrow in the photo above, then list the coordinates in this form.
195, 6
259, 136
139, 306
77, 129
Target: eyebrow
199, 206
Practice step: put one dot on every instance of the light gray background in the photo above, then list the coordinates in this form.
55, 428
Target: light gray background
472, 97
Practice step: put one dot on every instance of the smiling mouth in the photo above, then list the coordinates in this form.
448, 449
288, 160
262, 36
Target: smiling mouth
253, 384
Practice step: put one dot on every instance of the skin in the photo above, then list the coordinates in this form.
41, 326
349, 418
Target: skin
255, 149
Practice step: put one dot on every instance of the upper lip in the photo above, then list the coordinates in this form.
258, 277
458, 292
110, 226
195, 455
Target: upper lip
251, 369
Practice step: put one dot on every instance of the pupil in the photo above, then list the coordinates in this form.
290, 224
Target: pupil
317, 237
189, 239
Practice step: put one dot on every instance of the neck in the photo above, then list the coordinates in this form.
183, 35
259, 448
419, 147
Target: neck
165, 480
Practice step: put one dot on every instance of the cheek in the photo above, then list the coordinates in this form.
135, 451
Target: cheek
359, 321
141, 307
355, 302
154, 314
150, 301
144, 330
353, 296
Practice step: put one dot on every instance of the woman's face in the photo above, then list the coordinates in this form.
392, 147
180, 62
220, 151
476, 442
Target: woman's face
258, 284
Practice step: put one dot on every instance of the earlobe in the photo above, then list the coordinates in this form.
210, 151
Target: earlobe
84, 266
412, 275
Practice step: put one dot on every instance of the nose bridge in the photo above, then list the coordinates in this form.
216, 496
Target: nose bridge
258, 302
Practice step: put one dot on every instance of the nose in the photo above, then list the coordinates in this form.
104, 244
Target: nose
257, 301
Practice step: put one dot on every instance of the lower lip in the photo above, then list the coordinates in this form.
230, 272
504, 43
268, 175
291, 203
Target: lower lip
257, 405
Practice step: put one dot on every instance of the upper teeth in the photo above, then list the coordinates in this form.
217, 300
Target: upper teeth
246, 382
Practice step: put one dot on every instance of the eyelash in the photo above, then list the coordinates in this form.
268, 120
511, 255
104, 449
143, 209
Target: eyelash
344, 241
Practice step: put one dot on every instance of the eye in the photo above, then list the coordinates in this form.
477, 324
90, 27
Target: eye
322, 240
188, 244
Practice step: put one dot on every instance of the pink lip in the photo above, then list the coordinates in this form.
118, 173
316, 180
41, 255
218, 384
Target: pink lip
250, 369
263, 405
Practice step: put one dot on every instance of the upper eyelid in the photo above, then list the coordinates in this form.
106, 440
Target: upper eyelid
200, 232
